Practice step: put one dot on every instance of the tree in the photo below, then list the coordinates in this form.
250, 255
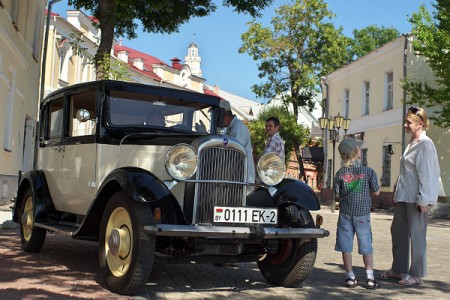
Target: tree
370, 38
433, 43
301, 46
116, 18
114, 69
290, 131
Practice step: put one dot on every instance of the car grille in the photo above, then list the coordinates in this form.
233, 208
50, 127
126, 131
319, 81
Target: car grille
218, 164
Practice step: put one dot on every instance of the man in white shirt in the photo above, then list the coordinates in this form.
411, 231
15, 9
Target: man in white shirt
237, 130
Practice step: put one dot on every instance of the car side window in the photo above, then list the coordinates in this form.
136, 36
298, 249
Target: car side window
85, 102
55, 120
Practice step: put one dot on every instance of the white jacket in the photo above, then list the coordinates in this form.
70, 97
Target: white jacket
418, 180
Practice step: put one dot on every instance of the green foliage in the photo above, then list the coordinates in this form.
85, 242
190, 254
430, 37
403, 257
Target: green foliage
301, 46
290, 131
76, 43
370, 38
118, 17
433, 43
114, 69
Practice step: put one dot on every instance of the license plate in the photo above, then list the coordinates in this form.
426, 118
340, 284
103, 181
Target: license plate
245, 215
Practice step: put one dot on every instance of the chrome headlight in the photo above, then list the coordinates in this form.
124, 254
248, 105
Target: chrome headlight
271, 169
181, 161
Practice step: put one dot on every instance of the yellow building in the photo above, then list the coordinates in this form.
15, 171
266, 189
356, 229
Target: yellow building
21, 35
368, 91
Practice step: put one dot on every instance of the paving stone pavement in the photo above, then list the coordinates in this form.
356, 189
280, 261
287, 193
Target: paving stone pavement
67, 268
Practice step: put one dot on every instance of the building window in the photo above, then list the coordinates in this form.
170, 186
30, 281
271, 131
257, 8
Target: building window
346, 102
386, 176
366, 95
389, 96
364, 157
37, 38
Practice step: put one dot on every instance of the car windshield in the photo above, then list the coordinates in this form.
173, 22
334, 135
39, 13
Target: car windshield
132, 109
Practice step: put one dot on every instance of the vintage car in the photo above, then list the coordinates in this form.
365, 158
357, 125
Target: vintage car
149, 173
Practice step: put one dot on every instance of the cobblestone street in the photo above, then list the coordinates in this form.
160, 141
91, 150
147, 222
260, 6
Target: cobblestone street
67, 268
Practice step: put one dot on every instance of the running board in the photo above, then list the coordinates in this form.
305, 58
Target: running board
67, 230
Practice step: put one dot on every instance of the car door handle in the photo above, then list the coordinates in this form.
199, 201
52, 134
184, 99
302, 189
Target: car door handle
60, 148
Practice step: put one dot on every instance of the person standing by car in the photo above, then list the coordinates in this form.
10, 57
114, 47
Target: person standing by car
415, 191
274, 143
353, 184
237, 130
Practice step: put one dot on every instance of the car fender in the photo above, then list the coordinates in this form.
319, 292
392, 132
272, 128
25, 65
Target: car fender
294, 191
43, 203
288, 191
140, 185
143, 186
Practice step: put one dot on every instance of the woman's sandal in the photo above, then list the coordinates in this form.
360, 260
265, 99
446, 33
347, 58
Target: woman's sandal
350, 282
372, 284
411, 280
390, 274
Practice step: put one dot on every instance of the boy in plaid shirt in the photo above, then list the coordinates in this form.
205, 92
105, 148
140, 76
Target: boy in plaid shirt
353, 184
275, 143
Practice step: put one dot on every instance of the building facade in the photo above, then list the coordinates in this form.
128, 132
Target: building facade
21, 35
369, 92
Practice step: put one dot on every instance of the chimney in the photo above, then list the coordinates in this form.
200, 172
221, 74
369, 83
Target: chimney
176, 63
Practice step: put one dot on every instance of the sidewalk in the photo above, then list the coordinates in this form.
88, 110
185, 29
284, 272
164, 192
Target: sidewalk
68, 268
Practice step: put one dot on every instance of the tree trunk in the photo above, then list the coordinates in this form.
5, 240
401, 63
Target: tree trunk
298, 154
107, 10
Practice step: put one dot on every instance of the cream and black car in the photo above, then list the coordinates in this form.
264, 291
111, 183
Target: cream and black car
150, 174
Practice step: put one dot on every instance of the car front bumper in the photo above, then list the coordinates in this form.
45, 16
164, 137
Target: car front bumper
244, 232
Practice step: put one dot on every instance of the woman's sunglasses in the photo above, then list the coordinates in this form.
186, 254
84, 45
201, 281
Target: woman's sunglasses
415, 110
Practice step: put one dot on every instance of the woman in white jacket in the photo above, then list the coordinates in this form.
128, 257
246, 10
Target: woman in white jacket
416, 190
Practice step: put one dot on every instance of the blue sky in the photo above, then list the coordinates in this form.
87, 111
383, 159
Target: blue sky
218, 37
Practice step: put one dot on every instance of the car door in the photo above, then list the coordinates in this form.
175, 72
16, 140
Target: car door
50, 145
78, 169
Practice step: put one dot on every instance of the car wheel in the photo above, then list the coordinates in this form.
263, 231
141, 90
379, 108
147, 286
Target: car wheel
31, 237
291, 264
126, 252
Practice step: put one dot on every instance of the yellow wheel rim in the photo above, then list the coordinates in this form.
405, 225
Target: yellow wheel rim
27, 219
119, 242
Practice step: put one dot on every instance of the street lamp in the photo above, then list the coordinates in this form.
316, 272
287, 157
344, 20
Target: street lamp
334, 124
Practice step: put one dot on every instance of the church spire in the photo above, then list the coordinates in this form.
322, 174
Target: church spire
193, 60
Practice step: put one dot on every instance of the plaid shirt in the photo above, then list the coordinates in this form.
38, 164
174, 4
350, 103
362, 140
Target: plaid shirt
275, 144
353, 186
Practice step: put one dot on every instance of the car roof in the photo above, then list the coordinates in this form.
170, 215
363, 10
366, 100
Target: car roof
186, 95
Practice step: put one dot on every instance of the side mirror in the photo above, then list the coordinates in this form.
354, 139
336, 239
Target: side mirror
83, 115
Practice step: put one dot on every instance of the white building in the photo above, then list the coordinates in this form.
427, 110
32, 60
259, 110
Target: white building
21, 35
369, 92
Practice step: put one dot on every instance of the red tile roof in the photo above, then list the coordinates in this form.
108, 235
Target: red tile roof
149, 60
93, 19
209, 92
132, 54
53, 13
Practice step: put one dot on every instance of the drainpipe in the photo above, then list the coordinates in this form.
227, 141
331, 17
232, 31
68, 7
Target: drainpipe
405, 63
44, 51
43, 65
